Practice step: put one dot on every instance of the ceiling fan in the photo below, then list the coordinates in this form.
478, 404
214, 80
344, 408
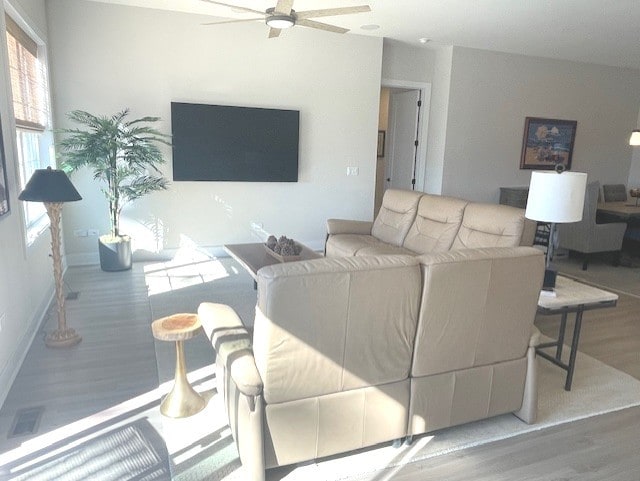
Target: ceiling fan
283, 16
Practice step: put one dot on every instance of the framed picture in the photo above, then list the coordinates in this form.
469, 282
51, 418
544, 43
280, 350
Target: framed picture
546, 143
4, 194
381, 143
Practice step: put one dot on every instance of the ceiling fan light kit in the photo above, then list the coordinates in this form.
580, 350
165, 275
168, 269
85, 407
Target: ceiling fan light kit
280, 21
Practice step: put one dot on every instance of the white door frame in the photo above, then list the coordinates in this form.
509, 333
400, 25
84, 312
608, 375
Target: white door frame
425, 94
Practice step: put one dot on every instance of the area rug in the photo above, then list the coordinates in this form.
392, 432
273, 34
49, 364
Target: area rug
210, 452
597, 389
134, 452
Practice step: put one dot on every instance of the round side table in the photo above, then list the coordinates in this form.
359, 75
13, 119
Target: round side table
183, 400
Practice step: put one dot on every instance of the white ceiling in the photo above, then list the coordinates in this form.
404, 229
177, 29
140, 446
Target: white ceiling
604, 32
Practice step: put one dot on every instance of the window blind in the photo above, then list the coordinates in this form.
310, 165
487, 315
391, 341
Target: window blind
28, 79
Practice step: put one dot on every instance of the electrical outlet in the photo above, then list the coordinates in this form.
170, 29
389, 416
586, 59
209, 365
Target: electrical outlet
80, 233
353, 170
92, 232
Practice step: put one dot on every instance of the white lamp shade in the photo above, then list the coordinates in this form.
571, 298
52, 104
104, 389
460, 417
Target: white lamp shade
635, 138
555, 197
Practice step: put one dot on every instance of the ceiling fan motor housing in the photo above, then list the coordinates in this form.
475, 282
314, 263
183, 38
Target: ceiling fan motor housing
280, 20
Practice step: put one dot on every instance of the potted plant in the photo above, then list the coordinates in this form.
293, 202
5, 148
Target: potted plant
124, 154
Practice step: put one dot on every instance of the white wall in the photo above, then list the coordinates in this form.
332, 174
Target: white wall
406, 62
438, 116
26, 272
106, 57
492, 93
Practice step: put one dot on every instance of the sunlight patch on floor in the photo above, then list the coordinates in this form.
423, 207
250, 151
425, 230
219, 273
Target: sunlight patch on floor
203, 434
71, 435
403, 459
181, 272
183, 437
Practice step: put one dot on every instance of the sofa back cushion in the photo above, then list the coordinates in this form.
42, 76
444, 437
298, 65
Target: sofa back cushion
436, 224
335, 324
477, 308
490, 225
396, 215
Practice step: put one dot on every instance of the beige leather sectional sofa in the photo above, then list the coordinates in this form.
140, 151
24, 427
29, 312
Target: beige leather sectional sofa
413, 223
355, 350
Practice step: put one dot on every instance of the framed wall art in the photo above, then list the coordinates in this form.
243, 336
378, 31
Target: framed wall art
4, 193
547, 142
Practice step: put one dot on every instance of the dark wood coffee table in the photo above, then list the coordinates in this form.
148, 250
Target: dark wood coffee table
253, 257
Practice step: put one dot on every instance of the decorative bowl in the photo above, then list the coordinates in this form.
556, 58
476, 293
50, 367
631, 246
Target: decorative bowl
281, 258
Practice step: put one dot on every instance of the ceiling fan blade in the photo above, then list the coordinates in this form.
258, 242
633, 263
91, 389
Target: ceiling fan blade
274, 32
329, 12
284, 7
321, 26
235, 7
233, 21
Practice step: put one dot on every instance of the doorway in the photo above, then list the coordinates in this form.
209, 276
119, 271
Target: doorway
404, 108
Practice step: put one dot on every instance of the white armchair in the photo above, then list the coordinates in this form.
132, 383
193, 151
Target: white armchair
614, 192
588, 237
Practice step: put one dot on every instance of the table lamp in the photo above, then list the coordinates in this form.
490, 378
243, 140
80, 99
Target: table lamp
635, 138
53, 188
555, 197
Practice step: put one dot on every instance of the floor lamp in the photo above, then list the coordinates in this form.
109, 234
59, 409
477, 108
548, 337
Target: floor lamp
53, 188
555, 197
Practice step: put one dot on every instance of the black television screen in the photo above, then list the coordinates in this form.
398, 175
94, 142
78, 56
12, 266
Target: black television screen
226, 143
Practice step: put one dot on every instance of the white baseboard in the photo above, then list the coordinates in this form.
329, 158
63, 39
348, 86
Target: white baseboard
76, 260
91, 259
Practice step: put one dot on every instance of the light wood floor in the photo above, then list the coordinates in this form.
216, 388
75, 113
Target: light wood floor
116, 361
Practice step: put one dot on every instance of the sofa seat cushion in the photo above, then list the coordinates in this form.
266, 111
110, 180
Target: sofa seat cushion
382, 249
436, 225
347, 245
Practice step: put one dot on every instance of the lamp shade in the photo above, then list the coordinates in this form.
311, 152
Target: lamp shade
49, 185
556, 197
635, 138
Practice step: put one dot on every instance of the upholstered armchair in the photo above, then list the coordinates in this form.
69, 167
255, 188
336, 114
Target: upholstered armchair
614, 192
588, 237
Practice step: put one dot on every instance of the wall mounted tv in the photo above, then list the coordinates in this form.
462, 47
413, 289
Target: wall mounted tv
226, 143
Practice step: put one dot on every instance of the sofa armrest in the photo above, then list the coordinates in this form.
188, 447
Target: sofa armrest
245, 375
528, 232
224, 329
342, 226
217, 317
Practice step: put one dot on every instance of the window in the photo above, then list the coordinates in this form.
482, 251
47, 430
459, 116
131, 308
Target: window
30, 92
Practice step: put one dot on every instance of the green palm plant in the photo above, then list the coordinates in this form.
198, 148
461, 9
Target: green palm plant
124, 154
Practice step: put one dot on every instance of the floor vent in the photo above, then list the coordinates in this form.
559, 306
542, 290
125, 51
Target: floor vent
72, 296
26, 422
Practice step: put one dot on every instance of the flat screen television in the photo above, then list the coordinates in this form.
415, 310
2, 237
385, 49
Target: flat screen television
228, 143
